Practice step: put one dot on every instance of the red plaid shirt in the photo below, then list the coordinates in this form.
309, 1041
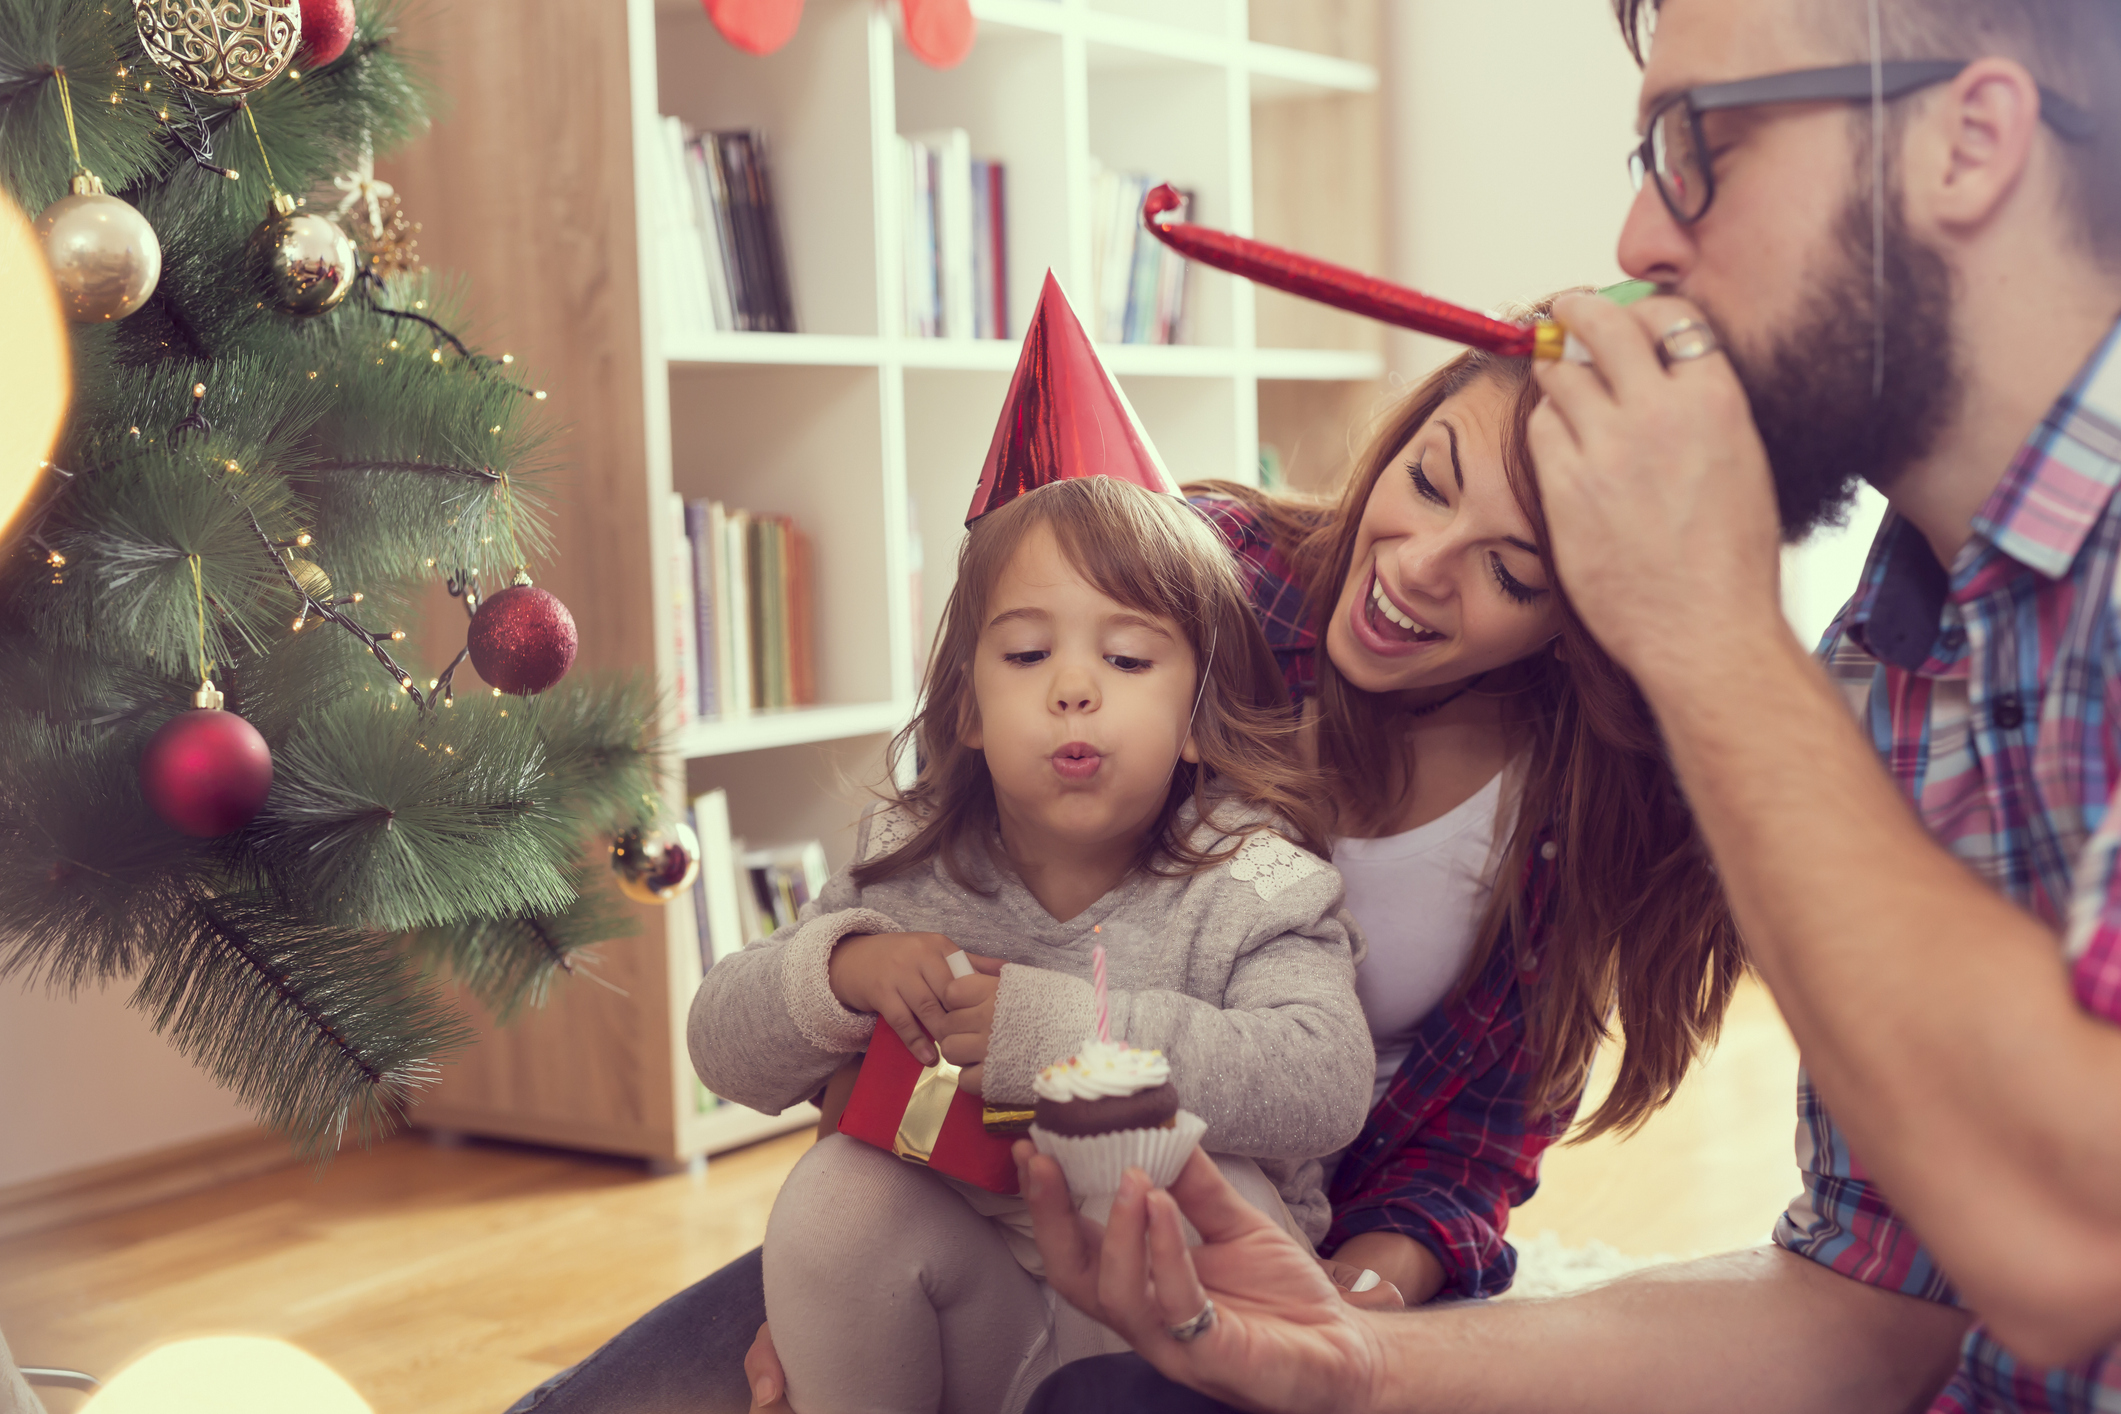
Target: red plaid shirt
1454, 1145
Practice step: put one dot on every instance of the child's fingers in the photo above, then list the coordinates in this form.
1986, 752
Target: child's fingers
923, 996
896, 1015
992, 966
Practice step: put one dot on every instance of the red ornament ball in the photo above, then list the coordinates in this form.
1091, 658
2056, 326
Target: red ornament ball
206, 772
327, 28
522, 640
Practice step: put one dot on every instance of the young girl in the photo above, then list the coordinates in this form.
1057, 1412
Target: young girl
1105, 742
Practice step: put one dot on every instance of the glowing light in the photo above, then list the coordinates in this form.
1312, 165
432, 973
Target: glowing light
397, 635
198, 390
227, 1374
34, 361
436, 355
539, 395
302, 539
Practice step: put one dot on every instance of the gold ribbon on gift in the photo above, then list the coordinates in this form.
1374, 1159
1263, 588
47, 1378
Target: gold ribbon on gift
926, 1108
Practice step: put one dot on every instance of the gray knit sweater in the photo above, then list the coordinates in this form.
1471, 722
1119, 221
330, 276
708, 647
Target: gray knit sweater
1244, 977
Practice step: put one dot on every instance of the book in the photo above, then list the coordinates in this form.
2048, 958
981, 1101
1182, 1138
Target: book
990, 252
720, 258
950, 159
784, 879
700, 185
685, 678
716, 894
1139, 283
700, 541
740, 696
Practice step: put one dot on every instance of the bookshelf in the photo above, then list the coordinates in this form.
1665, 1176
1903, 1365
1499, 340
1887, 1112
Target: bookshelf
870, 439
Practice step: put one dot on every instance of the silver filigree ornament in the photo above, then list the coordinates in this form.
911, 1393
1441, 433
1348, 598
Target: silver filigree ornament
223, 48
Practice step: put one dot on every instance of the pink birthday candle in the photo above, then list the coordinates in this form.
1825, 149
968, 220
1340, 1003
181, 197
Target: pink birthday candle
1097, 983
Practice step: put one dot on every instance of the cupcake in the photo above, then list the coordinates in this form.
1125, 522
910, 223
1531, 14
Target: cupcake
1109, 1108
1104, 1087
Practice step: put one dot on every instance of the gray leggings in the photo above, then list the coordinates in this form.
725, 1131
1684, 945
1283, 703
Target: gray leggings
886, 1291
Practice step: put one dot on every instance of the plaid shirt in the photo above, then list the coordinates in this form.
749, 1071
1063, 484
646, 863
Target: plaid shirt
1993, 693
1453, 1145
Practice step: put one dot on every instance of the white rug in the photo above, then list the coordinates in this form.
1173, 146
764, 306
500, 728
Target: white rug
1546, 1267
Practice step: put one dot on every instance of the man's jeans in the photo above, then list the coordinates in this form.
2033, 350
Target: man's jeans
684, 1357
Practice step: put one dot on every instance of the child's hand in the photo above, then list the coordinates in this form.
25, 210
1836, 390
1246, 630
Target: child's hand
969, 1022
899, 978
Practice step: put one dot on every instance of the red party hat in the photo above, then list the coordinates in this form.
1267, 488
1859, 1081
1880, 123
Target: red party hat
1064, 416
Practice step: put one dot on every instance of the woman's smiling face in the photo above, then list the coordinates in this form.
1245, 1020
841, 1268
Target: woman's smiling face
1445, 582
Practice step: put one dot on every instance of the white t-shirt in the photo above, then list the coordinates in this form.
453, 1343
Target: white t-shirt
1419, 897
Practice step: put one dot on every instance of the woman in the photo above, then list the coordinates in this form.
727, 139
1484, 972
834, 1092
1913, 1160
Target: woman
1514, 843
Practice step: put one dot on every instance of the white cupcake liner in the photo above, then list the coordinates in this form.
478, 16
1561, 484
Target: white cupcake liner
1093, 1163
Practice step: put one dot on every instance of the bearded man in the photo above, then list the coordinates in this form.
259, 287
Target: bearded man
1887, 237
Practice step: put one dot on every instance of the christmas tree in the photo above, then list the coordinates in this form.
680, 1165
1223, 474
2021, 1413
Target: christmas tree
280, 445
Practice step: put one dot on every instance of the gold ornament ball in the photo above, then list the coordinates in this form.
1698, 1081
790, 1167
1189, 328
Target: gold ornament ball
105, 257
304, 260
225, 47
655, 866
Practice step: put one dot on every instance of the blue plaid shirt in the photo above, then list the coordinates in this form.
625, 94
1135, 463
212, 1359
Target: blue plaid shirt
1992, 691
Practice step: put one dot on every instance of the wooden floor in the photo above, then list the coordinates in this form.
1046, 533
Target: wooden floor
449, 1280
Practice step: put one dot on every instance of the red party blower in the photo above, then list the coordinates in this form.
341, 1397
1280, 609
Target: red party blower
1337, 285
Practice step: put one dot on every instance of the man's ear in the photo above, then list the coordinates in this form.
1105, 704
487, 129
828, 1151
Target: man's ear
1969, 151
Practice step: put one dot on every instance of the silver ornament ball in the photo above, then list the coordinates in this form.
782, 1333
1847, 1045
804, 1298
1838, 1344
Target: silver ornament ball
655, 866
104, 256
304, 260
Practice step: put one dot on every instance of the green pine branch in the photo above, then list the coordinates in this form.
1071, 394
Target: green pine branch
322, 1031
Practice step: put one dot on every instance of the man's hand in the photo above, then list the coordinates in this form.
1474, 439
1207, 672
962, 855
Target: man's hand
769, 1382
969, 1022
1657, 491
900, 978
1283, 1338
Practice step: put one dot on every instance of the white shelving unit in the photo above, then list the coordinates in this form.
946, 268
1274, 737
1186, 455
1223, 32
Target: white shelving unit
873, 440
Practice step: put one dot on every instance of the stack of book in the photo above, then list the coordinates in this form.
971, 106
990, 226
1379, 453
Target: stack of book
741, 612
723, 263
743, 894
956, 239
1140, 281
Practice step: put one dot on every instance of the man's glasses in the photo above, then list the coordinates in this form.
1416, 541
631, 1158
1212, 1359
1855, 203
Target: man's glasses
1675, 154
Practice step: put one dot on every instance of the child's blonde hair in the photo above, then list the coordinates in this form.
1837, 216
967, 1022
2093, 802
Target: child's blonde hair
1155, 555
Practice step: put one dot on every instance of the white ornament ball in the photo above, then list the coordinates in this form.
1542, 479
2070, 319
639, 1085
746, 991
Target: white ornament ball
104, 256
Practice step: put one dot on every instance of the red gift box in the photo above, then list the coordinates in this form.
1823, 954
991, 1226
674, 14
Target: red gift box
917, 1112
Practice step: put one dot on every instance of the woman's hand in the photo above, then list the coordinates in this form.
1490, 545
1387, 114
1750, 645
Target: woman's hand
1363, 1287
769, 1382
1283, 1337
900, 978
968, 1025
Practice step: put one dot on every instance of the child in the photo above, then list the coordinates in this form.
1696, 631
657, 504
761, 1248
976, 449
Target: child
1105, 743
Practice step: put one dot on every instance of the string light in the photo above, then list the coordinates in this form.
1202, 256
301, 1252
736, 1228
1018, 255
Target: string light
539, 395
393, 343
232, 468
397, 635
436, 355
302, 539
497, 693
508, 358
355, 597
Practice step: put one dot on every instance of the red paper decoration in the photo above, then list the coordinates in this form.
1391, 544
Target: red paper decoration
1064, 416
522, 640
206, 772
756, 26
327, 28
939, 32
1332, 284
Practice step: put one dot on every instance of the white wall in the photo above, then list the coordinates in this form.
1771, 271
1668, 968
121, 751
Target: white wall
86, 1081
1508, 125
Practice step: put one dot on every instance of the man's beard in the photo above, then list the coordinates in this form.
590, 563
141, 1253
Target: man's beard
1812, 391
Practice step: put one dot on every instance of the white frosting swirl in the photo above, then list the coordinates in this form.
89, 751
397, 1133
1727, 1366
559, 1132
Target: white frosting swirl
1102, 1070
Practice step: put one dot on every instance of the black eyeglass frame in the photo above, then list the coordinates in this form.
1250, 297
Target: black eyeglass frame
1846, 83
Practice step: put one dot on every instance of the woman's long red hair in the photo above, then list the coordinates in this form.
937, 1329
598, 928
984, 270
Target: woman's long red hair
1639, 935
